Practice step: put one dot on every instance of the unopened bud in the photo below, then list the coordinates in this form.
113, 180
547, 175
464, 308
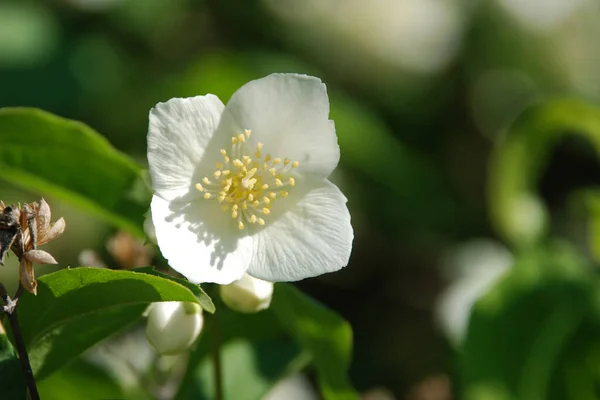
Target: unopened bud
173, 326
248, 294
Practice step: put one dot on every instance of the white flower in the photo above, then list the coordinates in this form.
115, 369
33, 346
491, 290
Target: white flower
248, 294
173, 326
244, 187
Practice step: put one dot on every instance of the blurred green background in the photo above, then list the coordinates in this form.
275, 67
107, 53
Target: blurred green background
421, 92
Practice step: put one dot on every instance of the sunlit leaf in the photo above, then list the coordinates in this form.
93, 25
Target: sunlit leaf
67, 159
70, 293
203, 299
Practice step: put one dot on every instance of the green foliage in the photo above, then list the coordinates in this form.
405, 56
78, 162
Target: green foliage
69, 340
12, 380
322, 333
67, 159
251, 369
203, 299
259, 352
253, 344
80, 380
77, 308
536, 335
520, 159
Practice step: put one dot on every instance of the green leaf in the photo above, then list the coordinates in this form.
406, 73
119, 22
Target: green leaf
12, 380
67, 159
80, 380
66, 342
530, 336
520, 159
320, 332
204, 300
71, 293
251, 369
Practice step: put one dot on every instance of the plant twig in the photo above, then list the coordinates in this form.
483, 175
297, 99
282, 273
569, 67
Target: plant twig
10, 309
215, 335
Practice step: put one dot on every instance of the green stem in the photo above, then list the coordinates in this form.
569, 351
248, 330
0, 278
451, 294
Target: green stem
215, 335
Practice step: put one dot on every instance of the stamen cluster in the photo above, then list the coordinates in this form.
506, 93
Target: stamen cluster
247, 183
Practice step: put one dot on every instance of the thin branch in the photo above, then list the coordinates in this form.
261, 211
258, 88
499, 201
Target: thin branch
10, 309
215, 334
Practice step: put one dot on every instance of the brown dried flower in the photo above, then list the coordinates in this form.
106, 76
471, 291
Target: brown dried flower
23, 229
128, 251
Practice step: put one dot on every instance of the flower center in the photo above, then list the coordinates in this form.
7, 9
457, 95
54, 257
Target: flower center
247, 185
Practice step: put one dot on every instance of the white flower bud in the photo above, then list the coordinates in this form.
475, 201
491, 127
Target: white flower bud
247, 294
173, 326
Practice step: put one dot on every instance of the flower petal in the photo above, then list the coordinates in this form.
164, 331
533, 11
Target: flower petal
43, 217
179, 131
27, 276
312, 238
199, 241
289, 113
39, 257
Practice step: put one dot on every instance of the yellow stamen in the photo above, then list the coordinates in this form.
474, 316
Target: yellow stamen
243, 187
